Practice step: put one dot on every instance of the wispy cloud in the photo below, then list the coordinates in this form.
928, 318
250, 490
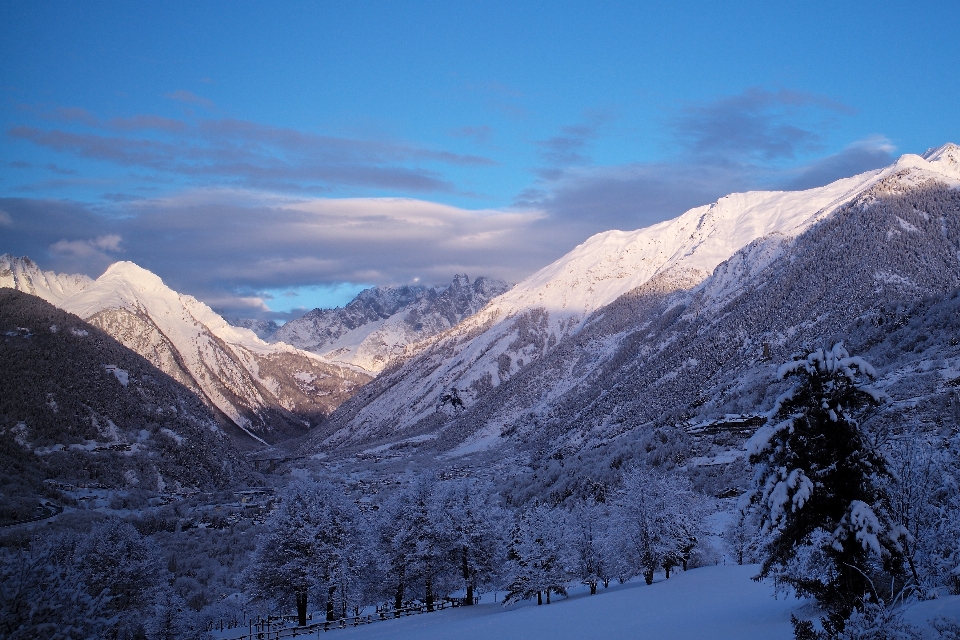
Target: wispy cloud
97, 248
188, 97
248, 153
757, 124
567, 148
753, 140
479, 134
871, 153
60, 170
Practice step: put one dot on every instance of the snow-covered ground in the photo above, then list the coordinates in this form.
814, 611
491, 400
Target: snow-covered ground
715, 602
711, 602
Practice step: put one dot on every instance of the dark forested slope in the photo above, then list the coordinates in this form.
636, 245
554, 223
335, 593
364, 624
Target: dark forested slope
78, 407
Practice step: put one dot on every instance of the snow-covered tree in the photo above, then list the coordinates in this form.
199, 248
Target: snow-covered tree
658, 519
475, 528
817, 485
414, 545
923, 496
742, 536
587, 551
119, 561
101, 584
42, 593
311, 547
536, 555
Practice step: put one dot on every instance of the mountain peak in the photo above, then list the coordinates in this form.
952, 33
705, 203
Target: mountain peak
935, 153
134, 274
23, 274
943, 161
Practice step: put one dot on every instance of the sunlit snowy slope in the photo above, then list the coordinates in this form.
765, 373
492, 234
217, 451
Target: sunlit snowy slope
706, 258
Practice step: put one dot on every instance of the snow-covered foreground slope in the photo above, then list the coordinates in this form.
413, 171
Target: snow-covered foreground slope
380, 323
719, 603
271, 391
717, 252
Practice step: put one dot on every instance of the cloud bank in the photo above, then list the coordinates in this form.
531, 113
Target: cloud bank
228, 247
246, 154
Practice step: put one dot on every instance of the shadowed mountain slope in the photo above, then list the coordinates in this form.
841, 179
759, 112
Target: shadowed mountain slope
78, 407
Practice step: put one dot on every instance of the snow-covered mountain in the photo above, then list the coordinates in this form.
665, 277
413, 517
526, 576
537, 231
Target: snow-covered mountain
24, 275
264, 329
271, 391
650, 326
381, 323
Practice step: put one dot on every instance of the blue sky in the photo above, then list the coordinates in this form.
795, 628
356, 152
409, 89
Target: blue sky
247, 150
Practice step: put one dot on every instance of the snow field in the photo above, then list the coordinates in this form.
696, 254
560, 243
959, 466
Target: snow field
719, 602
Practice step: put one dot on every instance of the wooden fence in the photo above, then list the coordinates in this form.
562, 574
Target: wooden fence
277, 627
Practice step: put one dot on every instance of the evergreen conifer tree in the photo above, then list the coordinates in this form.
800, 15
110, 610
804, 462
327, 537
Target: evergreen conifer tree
818, 486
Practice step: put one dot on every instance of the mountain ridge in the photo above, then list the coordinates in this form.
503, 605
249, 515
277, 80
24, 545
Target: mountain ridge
270, 391
382, 323
488, 349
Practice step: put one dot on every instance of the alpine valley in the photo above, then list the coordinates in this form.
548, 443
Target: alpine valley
677, 330
669, 328
596, 422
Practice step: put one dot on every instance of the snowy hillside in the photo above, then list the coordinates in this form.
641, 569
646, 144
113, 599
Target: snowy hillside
664, 296
24, 275
85, 409
269, 391
381, 322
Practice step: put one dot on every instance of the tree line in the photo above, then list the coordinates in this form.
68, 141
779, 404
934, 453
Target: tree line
431, 539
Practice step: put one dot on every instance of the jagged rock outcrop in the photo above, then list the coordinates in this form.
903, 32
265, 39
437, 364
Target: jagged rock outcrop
383, 323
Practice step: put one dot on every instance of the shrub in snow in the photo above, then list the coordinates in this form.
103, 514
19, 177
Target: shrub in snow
923, 496
874, 621
818, 488
947, 628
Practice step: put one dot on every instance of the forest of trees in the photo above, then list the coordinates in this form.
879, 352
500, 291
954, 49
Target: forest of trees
431, 539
